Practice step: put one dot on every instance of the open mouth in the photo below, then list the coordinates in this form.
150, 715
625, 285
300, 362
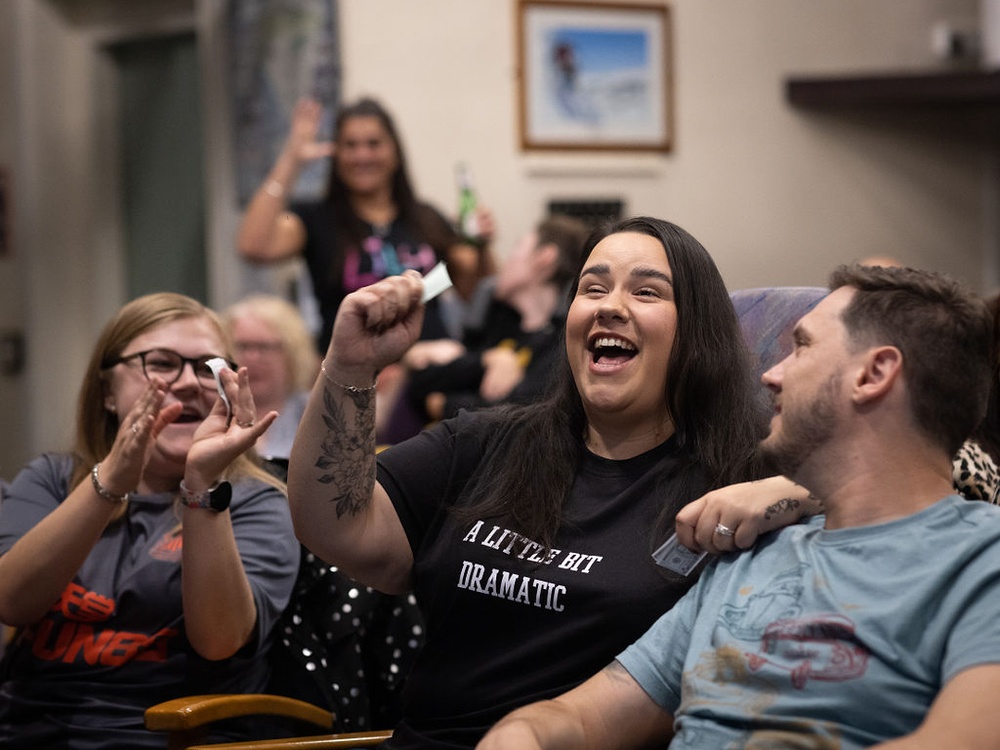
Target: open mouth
187, 417
611, 350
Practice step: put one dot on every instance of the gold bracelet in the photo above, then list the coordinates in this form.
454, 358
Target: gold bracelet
348, 388
104, 491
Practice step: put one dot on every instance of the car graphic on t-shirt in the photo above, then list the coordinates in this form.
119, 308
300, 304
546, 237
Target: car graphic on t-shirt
819, 647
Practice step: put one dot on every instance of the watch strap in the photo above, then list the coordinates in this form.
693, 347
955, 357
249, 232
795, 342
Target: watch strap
215, 498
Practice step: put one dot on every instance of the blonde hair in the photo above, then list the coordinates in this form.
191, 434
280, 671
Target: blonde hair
96, 426
301, 358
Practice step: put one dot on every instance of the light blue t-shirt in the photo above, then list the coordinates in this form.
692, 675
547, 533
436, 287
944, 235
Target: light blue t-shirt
843, 636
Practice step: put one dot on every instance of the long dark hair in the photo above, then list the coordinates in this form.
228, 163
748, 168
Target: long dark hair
350, 230
710, 393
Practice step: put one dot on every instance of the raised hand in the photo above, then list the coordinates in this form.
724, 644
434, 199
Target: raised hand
219, 440
121, 471
487, 224
375, 326
302, 143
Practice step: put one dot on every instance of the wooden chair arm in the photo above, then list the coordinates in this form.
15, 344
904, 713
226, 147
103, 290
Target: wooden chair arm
196, 710
185, 720
320, 742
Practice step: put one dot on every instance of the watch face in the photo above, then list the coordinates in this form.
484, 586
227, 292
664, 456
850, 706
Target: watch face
219, 498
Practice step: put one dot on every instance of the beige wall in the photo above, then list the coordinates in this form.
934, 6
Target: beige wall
777, 195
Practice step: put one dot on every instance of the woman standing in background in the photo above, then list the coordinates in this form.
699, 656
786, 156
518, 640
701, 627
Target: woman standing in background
369, 225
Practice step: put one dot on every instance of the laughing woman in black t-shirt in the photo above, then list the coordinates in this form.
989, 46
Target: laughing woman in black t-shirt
526, 532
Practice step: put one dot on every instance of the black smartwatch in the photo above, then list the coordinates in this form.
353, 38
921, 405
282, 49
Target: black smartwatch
215, 498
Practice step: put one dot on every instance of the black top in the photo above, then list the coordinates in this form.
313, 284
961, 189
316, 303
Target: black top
386, 251
506, 628
499, 325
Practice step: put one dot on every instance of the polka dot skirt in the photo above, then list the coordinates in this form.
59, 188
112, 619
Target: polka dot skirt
345, 646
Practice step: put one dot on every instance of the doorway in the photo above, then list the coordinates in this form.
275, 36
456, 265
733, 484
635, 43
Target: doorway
162, 175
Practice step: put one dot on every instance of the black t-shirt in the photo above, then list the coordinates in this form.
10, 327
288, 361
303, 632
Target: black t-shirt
460, 379
505, 629
386, 251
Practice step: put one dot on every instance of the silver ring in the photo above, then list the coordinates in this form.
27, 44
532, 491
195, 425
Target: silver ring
135, 428
248, 423
722, 530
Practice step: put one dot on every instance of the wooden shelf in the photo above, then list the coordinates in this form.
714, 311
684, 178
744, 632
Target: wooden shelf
946, 89
963, 102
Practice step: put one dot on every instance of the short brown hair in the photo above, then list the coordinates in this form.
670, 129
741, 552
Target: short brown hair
945, 334
568, 234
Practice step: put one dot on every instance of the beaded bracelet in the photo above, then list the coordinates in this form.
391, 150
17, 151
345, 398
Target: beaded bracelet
348, 388
104, 491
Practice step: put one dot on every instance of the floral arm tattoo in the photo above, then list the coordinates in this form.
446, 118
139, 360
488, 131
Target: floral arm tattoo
347, 455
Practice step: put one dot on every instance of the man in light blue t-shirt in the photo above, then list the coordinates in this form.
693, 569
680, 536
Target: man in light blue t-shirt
877, 624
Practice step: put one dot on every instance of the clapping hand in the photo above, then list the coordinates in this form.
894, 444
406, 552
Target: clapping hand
502, 372
220, 439
122, 469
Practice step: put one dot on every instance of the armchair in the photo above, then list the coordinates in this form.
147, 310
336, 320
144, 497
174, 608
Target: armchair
185, 721
768, 316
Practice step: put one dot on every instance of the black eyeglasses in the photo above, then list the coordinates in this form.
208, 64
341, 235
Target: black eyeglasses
168, 365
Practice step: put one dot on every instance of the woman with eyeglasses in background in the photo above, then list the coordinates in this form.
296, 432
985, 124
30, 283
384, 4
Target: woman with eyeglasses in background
272, 340
153, 561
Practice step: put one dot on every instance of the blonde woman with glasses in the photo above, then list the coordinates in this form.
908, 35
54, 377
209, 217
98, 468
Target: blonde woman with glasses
154, 559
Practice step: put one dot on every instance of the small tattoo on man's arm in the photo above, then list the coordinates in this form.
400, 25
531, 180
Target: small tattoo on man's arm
786, 505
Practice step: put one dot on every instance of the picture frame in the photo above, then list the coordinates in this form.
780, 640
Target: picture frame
594, 76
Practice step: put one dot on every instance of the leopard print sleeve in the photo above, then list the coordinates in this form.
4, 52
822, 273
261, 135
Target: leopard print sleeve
975, 474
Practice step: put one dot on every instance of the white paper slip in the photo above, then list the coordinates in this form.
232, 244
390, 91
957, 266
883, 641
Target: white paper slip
217, 365
436, 281
674, 556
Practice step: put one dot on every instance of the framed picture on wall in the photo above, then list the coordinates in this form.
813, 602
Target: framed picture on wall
594, 76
